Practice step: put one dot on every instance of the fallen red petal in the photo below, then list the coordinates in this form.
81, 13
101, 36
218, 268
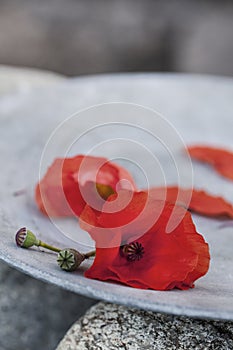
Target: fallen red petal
49, 194
197, 201
220, 159
70, 183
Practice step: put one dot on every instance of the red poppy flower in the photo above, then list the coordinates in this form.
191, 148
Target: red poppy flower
70, 183
220, 159
135, 247
195, 200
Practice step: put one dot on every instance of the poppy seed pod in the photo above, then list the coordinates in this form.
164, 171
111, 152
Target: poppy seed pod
25, 238
69, 259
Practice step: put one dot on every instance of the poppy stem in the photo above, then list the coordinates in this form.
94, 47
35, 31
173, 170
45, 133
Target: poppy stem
40, 243
89, 254
26, 239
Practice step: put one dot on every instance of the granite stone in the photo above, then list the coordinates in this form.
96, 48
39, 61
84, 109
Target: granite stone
113, 327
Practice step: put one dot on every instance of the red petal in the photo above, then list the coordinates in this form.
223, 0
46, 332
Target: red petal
49, 193
127, 213
70, 183
198, 201
100, 267
220, 159
170, 260
105, 238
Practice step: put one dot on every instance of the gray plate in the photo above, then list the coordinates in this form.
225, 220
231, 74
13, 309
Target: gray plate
200, 108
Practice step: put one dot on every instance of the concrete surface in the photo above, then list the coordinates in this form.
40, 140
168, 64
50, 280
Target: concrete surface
15, 79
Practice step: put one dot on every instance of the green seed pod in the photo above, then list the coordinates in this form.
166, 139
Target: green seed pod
69, 259
25, 238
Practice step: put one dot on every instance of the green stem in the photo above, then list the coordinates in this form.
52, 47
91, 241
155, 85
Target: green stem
89, 254
39, 243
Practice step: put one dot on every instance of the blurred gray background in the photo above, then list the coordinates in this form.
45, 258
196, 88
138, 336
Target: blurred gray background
76, 37
85, 36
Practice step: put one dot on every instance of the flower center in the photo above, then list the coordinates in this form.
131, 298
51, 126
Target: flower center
133, 251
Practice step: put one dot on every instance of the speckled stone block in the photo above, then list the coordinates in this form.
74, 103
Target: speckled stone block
111, 327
